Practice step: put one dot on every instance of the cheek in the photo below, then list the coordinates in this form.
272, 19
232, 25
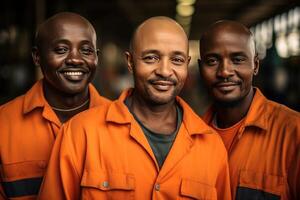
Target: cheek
52, 62
181, 72
92, 62
207, 76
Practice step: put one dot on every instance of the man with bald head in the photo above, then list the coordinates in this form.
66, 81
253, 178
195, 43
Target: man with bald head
67, 54
148, 144
262, 137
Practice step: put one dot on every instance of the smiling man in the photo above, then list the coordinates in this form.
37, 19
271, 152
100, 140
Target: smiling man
262, 137
67, 54
148, 144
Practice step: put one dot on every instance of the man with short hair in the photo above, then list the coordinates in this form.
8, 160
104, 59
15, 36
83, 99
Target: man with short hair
262, 137
67, 54
148, 144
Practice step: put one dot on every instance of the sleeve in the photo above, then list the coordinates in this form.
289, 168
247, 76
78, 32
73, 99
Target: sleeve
2, 194
294, 170
63, 176
223, 180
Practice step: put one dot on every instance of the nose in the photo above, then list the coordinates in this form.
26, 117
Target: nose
225, 69
164, 68
74, 58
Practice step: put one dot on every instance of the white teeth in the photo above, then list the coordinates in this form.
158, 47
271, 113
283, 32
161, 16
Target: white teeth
73, 73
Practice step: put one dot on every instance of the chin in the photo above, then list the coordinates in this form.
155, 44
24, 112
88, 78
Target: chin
74, 90
228, 102
161, 100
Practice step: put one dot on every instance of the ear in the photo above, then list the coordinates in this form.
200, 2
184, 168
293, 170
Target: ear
35, 56
97, 56
189, 60
256, 65
199, 64
129, 60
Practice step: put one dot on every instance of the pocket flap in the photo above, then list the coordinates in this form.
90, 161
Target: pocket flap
108, 180
262, 181
23, 170
197, 190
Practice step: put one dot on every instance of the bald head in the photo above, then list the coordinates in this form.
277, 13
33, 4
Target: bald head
153, 24
54, 22
158, 60
225, 27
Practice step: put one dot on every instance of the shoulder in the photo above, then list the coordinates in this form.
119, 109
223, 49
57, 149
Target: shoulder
282, 113
12, 107
90, 118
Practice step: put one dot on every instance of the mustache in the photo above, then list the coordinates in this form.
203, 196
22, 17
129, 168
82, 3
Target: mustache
227, 81
167, 79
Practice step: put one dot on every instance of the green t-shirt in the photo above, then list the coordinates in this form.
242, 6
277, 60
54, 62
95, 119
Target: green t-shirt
160, 143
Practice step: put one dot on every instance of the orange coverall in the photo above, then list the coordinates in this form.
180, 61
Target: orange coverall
28, 127
264, 159
103, 154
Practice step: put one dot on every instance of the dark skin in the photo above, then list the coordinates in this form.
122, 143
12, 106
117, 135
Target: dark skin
227, 66
158, 60
67, 54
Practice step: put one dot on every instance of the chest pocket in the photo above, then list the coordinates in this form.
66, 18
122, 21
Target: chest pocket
22, 178
259, 186
107, 185
191, 189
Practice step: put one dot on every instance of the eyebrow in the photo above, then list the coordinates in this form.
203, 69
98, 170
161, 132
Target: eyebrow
149, 51
154, 51
239, 54
217, 55
211, 55
68, 41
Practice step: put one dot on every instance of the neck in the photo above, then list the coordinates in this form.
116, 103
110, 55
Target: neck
66, 105
232, 113
158, 118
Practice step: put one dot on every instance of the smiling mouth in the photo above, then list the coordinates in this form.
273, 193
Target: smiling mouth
162, 85
227, 86
73, 75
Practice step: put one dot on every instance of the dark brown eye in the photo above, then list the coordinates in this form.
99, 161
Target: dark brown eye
87, 51
61, 50
150, 59
211, 61
238, 59
178, 60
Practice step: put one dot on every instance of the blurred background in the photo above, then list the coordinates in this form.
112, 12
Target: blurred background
275, 24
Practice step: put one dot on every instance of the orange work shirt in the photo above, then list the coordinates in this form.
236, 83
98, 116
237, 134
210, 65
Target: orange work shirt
103, 153
227, 134
264, 159
28, 127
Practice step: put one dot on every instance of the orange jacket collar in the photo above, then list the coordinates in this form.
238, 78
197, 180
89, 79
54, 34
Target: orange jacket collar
124, 116
256, 113
34, 98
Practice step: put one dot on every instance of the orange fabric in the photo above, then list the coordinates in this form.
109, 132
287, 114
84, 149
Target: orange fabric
227, 134
103, 154
28, 127
266, 152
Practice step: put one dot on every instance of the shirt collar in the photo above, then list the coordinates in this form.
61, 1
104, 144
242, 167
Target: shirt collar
34, 98
257, 113
95, 98
119, 113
